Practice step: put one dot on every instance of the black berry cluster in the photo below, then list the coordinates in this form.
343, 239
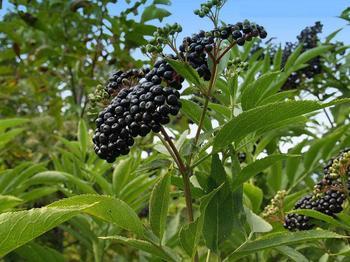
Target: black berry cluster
120, 80
328, 196
308, 38
194, 49
136, 110
133, 112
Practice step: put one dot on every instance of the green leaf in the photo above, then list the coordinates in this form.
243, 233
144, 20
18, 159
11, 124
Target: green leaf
311, 53
280, 239
193, 112
256, 223
345, 14
264, 116
190, 234
83, 136
158, 205
332, 35
33, 252
54, 177
152, 12
255, 195
292, 253
108, 209
18, 228
121, 174
253, 93
7, 202
9, 135
187, 72
292, 58
162, 2
219, 215
256, 167
277, 60
148, 247
11, 122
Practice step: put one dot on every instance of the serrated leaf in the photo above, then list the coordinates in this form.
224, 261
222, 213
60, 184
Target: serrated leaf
18, 228
158, 205
108, 209
263, 116
253, 93
280, 239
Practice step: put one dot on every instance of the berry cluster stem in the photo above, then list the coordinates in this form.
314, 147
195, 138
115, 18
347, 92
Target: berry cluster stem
206, 102
184, 174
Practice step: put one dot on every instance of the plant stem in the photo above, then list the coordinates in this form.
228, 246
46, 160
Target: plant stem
206, 102
226, 50
184, 174
169, 149
167, 138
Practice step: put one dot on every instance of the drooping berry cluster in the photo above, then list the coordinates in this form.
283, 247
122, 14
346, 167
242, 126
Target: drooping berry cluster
308, 38
120, 80
328, 196
194, 49
136, 111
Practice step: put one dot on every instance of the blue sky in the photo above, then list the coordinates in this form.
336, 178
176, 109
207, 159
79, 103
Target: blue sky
283, 19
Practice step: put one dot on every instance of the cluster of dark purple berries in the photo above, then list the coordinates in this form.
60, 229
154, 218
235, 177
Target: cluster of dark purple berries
308, 38
194, 49
136, 111
328, 196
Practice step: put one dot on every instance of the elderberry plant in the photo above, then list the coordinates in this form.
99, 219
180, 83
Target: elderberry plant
185, 159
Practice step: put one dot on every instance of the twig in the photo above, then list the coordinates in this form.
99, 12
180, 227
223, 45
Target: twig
171, 152
206, 102
183, 171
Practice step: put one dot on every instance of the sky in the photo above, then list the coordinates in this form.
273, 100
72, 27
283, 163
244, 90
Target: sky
283, 19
